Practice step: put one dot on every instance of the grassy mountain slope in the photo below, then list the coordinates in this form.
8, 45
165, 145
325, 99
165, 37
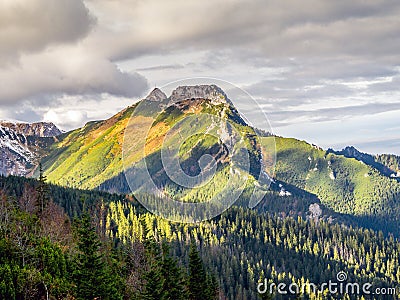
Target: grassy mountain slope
343, 184
91, 157
87, 156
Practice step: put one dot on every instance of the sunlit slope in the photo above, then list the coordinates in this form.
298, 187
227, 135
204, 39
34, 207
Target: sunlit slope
87, 156
91, 157
188, 131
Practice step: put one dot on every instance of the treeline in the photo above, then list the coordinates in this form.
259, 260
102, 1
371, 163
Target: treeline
73, 201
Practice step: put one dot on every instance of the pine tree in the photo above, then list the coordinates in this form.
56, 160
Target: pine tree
174, 285
153, 286
154, 281
212, 287
164, 278
42, 191
197, 276
90, 274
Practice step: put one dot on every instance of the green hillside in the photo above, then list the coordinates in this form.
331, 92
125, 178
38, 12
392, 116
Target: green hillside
344, 184
87, 156
91, 158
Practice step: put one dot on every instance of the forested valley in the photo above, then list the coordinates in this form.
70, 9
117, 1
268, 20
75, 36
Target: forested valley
62, 243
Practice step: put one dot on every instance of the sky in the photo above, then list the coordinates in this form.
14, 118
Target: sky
323, 71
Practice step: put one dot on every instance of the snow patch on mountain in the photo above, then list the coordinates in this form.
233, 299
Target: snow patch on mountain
20, 145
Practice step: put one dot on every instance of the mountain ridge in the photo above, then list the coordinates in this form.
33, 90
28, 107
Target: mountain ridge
379, 162
38, 129
22, 145
91, 158
305, 174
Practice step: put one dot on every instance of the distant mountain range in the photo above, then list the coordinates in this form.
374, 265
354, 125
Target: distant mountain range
348, 185
387, 164
22, 145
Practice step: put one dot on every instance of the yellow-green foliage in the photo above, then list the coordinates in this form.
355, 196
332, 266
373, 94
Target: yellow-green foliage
88, 156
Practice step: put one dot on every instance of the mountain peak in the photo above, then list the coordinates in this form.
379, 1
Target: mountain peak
156, 95
211, 92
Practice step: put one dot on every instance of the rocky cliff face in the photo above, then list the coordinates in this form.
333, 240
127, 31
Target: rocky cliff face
211, 92
39, 129
156, 95
22, 144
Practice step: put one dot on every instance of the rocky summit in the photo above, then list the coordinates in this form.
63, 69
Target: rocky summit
211, 92
156, 95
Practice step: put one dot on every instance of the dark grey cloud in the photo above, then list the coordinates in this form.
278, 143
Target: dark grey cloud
44, 54
325, 39
304, 29
91, 75
27, 26
274, 29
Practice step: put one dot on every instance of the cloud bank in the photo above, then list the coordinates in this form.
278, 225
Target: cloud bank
314, 61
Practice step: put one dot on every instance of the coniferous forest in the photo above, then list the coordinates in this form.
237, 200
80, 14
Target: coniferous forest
62, 243
47, 254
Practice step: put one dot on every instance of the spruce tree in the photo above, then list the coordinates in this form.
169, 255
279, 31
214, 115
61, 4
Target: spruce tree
164, 278
174, 284
90, 274
42, 191
212, 287
154, 281
197, 276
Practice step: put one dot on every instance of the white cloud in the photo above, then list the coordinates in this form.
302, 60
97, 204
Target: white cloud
65, 119
46, 52
275, 29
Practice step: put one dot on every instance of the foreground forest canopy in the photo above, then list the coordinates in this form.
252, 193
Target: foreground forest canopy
47, 255
87, 244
